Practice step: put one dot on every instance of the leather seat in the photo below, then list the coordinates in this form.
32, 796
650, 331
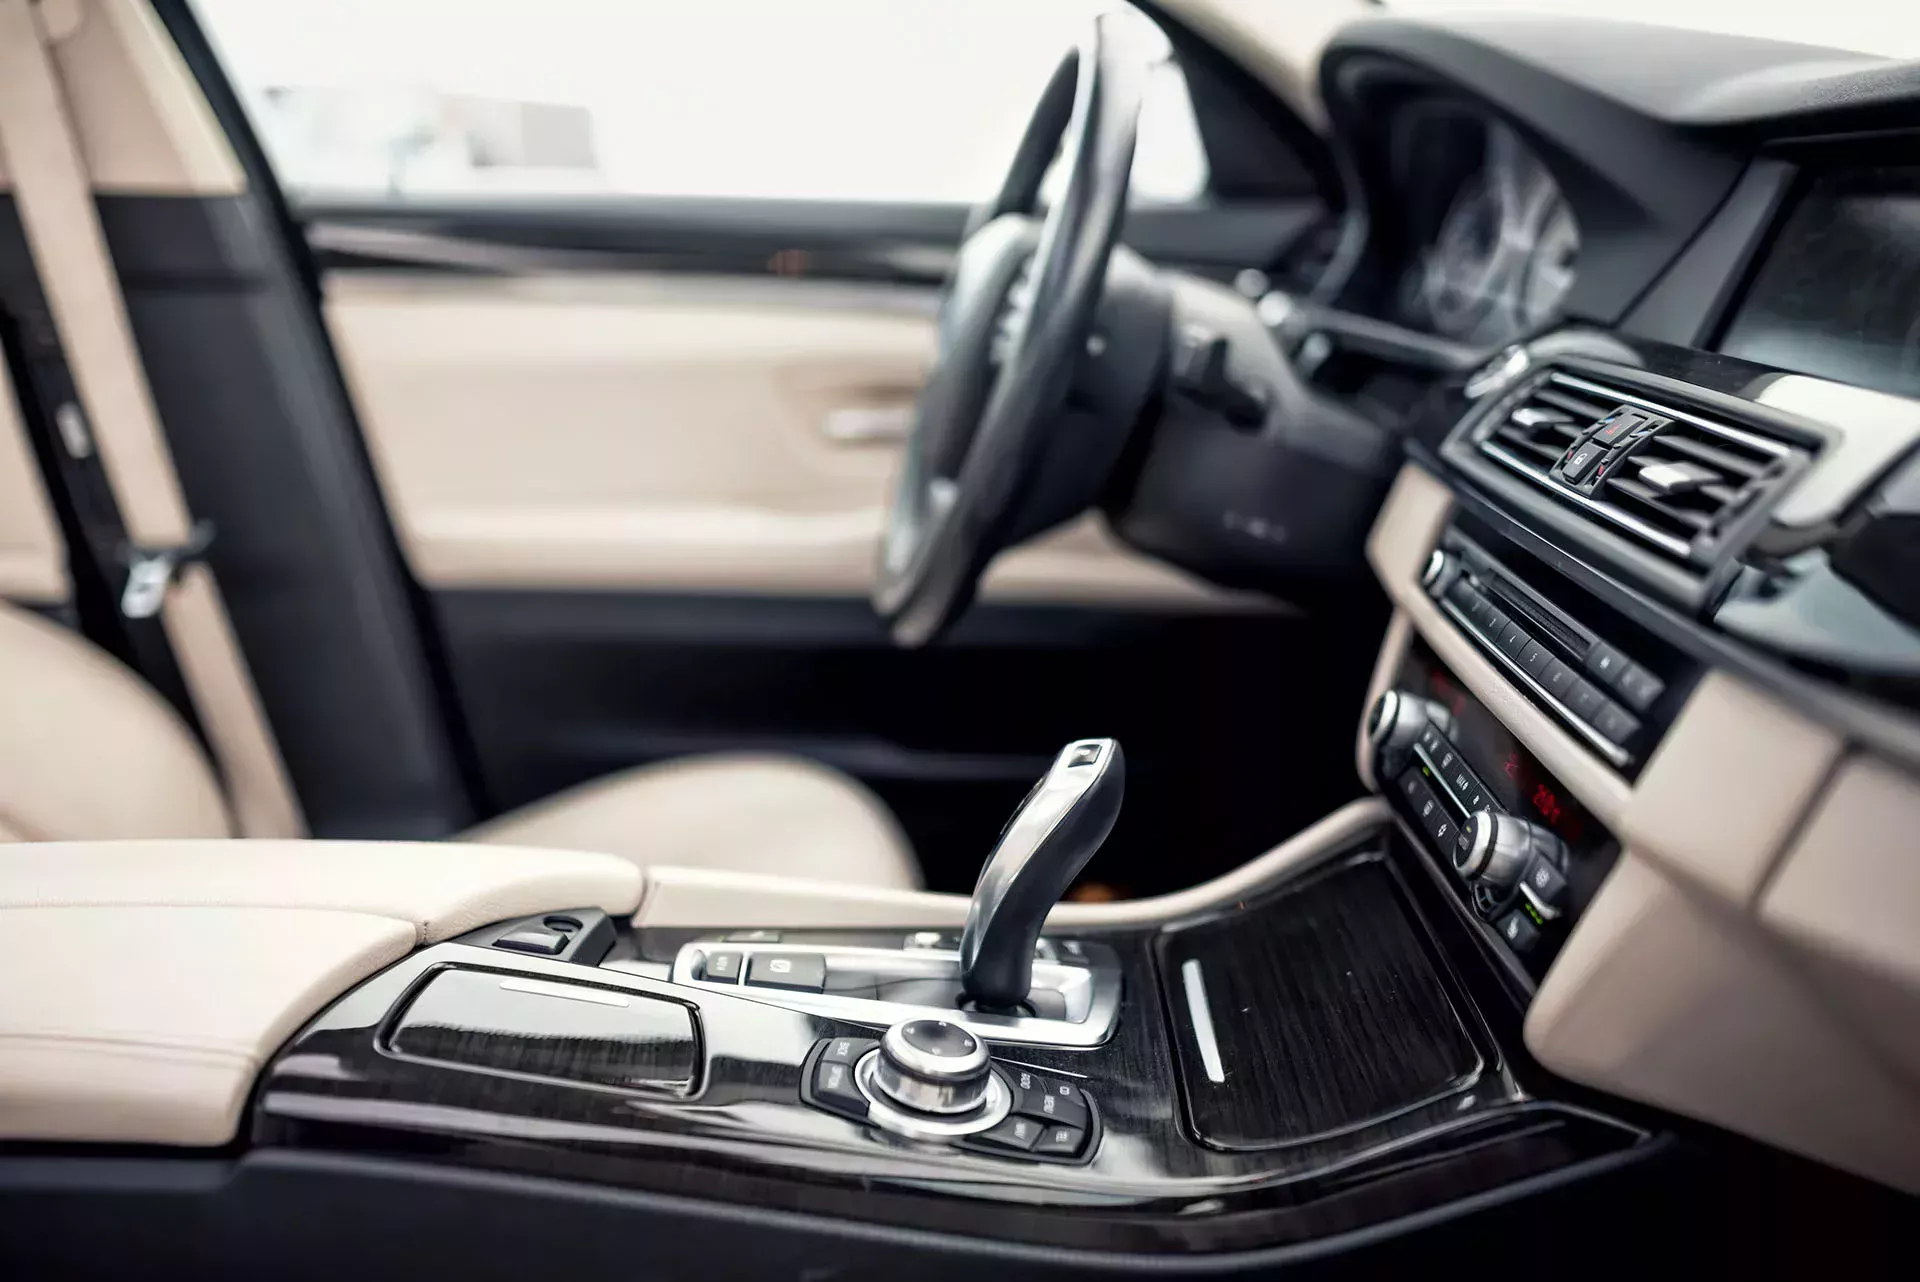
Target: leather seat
88, 751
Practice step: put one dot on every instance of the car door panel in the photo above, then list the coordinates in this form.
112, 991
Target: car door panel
664, 433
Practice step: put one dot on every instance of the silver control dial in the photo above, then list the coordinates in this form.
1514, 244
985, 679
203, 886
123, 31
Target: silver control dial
1395, 724
1499, 847
932, 1066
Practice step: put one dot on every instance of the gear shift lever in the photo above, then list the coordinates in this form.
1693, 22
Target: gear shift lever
1046, 843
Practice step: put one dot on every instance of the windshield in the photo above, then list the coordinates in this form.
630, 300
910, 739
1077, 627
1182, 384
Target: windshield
1890, 30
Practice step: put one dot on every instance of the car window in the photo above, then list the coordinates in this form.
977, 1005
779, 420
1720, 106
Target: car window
860, 100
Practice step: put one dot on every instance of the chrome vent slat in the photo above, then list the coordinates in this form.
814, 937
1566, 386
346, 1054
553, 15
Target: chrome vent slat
1690, 521
1582, 409
1702, 471
1713, 456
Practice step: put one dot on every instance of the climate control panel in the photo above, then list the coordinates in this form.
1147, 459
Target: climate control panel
1521, 855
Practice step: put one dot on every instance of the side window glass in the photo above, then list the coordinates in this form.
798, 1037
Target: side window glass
854, 100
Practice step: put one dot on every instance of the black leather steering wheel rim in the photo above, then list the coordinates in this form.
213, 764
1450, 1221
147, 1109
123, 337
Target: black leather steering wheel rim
1018, 314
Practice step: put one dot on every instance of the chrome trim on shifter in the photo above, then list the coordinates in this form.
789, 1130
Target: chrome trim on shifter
1090, 993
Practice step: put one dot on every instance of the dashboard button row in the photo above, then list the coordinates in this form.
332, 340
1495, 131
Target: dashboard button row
1576, 694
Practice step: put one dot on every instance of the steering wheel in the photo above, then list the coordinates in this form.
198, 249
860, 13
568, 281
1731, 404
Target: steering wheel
1016, 319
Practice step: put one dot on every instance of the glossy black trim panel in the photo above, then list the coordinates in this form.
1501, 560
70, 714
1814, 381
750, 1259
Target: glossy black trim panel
1331, 1014
747, 1137
84, 1216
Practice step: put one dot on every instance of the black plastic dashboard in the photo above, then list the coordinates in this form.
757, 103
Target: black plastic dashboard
1647, 133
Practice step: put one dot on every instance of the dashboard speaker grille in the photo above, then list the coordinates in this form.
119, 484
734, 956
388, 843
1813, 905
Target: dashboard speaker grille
1669, 477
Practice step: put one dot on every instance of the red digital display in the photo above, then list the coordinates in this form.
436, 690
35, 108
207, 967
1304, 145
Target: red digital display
1525, 789
1545, 802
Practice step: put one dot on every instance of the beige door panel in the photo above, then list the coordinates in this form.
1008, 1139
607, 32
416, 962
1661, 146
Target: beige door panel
665, 434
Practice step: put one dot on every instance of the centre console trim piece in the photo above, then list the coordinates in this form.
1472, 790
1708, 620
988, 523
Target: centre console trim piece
1090, 993
920, 1126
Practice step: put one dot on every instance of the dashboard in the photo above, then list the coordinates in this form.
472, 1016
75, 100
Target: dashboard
1651, 703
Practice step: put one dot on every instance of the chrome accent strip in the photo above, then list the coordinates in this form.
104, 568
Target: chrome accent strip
1541, 906
992, 1111
1091, 992
1196, 989
572, 992
1534, 474
1618, 756
1761, 443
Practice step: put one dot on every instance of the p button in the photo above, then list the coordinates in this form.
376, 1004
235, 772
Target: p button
796, 972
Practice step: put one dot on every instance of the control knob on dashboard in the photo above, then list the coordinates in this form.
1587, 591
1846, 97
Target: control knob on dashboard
1500, 850
1395, 724
932, 1066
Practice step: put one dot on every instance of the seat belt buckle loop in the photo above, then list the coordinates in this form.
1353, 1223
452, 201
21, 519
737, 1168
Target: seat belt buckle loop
151, 571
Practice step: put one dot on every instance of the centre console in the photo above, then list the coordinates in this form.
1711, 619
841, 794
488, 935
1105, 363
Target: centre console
1255, 1065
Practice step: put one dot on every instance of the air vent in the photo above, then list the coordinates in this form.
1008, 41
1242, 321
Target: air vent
1672, 478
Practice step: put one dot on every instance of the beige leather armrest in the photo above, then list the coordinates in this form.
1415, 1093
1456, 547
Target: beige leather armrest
147, 982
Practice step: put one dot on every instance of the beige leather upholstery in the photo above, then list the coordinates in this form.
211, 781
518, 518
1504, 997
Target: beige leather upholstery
143, 124
53, 192
148, 981
667, 434
163, 1051
88, 750
748, 814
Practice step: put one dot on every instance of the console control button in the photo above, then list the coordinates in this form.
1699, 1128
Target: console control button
1616, 426
1615, 722
1519, 931
721, 968
533, 939
1047, 1098
1605, 662
1060, 1141
1558, 680
846, 1050
798, 972
1514, 640
1534, 659
1581, 461
1585, 700
1015, 1134
1545, 883
1431, 742
834, 1087
1428, 809
1638, 686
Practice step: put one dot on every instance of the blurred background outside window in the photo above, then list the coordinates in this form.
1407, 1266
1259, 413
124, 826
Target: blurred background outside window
857, 100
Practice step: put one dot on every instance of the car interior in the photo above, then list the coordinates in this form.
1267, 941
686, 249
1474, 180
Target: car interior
608, 663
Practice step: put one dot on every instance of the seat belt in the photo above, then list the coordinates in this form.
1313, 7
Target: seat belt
55, 201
